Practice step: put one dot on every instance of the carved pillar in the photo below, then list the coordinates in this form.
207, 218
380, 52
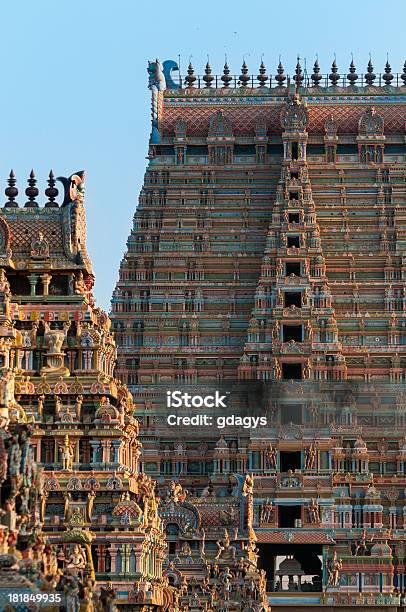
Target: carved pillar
101, 558
113, 555
46, 279
33, 278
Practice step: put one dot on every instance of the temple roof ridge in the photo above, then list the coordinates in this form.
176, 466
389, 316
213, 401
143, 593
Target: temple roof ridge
167, 75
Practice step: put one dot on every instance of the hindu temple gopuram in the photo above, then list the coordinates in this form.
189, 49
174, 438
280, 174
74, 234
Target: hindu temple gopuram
79, 522
268, 256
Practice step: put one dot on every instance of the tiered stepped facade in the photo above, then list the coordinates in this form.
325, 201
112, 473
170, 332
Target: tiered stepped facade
268, 247
57, 356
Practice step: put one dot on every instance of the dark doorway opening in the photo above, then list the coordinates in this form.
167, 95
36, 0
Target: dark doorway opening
294, 218
292, 371
295, 150
292, 267
291, 414
290, 460
308, 555
288, 515
292, 332
293, 241
293, 299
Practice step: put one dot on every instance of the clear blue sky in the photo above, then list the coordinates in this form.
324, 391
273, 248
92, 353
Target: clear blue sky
74, 83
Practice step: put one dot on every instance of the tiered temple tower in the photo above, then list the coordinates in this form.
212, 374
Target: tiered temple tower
268, 249
57, 355
293, 333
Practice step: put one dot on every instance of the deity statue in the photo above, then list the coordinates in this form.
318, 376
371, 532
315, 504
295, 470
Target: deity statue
225, 548
76, 561
89, 505
271, 457
79, 284
175, 492
267, 511
225, 579
67, 454
310, 457
54, 339
334, 567
362, 547
313, 512
50, 564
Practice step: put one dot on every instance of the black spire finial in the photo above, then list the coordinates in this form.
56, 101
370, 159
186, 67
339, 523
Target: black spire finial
262, 77
190, 78
316, 76
388, 76
298, 78
280, 76
208, 77
244, 76
333, 76
11, 191
352, 76
51, 192
403, 76
226, 78
32, 191
370, 76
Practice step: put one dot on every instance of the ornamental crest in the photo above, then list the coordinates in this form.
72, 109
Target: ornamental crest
330, 127
220, 126
294, 117
371, 123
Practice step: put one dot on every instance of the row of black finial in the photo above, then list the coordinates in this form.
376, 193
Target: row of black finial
280, 77
31, 192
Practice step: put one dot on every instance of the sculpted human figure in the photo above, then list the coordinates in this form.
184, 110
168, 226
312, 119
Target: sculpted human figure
225, 548
313, 512
271, 457
310, 457
76, 560
362, 548
67, 454
334, 567
267, 512
89, 505
225, 579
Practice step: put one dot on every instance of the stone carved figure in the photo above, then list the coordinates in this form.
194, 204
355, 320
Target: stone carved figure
334, 567
225, 548
225, 579
267, 512
271, 457
313, 512
76, 561
362, 547
310, 457
89, 505
175, 492
39, 246
67, 454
